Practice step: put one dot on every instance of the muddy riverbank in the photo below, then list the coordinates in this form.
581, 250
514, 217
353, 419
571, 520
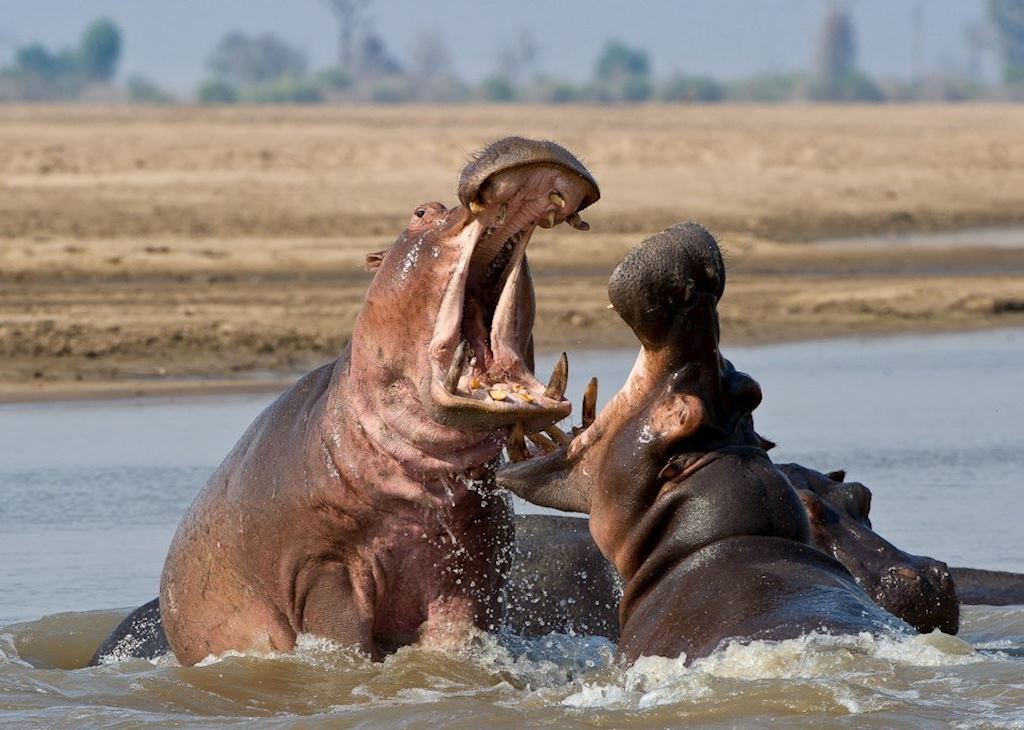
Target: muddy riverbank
172, 250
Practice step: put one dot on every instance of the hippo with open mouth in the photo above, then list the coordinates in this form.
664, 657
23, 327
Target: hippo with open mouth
361, 505
709, 536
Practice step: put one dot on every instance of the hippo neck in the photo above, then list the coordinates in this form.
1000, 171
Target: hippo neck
752, 498
412, 456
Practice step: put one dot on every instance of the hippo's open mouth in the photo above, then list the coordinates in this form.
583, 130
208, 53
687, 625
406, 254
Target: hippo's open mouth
482, 340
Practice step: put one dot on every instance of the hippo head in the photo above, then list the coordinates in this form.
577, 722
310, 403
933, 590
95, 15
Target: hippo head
918, 589
445, 335
681, 400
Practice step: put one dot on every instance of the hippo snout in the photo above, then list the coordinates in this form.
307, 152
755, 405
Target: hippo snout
923, 594
509, 153
665, 277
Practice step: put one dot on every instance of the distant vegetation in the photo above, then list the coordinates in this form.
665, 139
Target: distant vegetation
265, 69
41, 74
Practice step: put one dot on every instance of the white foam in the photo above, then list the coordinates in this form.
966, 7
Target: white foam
309, 649
820, 661
9, 652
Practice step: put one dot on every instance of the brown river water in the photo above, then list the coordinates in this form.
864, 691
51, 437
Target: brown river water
91, 492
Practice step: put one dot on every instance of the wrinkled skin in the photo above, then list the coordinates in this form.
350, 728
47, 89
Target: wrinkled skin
558, 581
361, 505
711, 539
918, 589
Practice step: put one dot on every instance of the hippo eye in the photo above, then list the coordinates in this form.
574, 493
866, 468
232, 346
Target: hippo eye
420, 212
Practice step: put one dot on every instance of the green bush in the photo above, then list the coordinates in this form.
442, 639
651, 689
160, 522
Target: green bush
767, 88
332, 79
497, 87
217, 92
391, 90
141, 90
282, 91
691, 88
849, 86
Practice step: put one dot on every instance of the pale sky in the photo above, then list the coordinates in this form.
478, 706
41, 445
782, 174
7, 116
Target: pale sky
169, 41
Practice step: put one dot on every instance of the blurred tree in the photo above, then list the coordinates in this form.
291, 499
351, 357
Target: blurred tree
350, 16
282, 90
681, 87
518, 62
374, 60
618, 61
837, 46
141, 90
1008, 22
979, 38
217, 92
553, 91
622, 73
835, 75
431, 71
37, 60
430, 56
498, 87
100, 50
765, 88
241, 60
39, 74
332, 79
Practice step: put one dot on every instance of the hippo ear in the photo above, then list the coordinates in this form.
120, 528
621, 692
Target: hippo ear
839, 475
812, 506
374, 260
677, 416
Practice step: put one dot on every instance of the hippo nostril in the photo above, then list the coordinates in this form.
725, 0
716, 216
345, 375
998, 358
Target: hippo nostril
940, 573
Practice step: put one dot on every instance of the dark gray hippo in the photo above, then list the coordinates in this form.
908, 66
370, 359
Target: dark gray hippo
709, 536
918, 589
361, 505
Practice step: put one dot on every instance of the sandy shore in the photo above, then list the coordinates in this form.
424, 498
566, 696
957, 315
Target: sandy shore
171, 250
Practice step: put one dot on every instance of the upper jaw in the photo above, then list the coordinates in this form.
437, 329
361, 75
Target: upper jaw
479, 350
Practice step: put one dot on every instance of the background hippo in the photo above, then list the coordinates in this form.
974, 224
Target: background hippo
360, 505
920, 590
710, 538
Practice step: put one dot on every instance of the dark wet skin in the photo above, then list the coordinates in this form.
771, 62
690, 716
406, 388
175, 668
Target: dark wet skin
711, 539
920, 590
361, 505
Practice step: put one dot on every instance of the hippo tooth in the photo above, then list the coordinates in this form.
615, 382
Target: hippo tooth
551, 219
590, 403
517, 443
543, 441
502, 212
557, 200
578, 223
451, 381
476, 207
559, 379
560, 436
498, 394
